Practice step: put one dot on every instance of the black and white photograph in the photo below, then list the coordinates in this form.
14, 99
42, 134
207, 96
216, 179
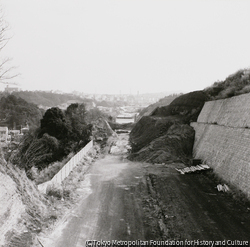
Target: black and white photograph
124, 123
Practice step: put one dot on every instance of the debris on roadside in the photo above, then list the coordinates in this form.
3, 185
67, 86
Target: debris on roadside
223, 188
193, 168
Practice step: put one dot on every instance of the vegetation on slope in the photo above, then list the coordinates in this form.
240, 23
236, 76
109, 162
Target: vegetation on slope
16, 113
25, 210
235, 84
47, 99
59, 134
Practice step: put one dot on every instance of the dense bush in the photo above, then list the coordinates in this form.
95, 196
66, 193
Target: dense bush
59, 134
16, 113
235, 84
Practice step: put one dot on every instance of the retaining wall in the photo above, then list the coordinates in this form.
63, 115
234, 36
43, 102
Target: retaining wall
67, 168
222, 139
231, 112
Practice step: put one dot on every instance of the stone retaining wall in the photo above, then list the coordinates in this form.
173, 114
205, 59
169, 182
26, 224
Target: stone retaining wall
222, 139
231, 112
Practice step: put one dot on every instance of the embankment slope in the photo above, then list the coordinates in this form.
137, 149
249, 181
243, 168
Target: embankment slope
22, 208
165, 136
222, 139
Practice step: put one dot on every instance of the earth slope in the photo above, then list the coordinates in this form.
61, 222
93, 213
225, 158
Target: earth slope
23, 210
165, 135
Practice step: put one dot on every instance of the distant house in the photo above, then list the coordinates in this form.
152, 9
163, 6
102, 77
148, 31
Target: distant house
15, 135
11, 89
4, 134
24, 130
121, 119
14, 132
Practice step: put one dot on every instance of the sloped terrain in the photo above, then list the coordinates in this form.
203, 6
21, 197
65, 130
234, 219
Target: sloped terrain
188, 106
118, 126
162, 102
153, 140
235, 84
47, 99
150, 128
23, 209
174, 146
101, 130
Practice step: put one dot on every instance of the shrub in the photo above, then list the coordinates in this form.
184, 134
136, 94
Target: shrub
55, 190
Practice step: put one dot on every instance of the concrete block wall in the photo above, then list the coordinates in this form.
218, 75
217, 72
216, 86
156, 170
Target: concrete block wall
231, 112
222, 139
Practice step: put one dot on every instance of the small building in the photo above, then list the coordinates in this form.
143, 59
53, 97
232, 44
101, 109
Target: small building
11, 89
14, 132
121, 119
24, 130
15, 135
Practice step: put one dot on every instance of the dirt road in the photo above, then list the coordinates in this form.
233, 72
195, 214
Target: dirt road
123, 200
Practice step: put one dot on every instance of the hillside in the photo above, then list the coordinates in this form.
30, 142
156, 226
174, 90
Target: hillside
175, 145
152, 138
47, 99
235, 84
15, 113
187, 106
162, 102
23, 210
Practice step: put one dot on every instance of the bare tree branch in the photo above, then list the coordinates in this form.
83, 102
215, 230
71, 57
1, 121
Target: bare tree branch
6, 71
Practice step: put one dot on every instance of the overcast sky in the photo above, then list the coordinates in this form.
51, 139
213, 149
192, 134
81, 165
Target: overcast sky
123, 46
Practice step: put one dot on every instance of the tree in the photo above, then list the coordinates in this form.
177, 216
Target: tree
16, 112
54, 123
5, 70
59, 134
35, 151
76, 117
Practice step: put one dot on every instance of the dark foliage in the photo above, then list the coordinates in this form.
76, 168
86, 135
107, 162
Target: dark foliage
16, 113
36, 151
148, 128
162, 102
182, 110
79, 131
235, 84
187, 105
59, 134
54, 123
174, 145
48, 99
94, 114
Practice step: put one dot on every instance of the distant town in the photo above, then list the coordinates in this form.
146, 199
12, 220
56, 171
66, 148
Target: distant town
138, 99
121, 108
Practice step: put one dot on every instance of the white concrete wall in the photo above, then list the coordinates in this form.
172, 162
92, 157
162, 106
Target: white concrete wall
67, 168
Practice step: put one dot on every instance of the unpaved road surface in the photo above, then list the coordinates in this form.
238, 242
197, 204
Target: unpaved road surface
123, 200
